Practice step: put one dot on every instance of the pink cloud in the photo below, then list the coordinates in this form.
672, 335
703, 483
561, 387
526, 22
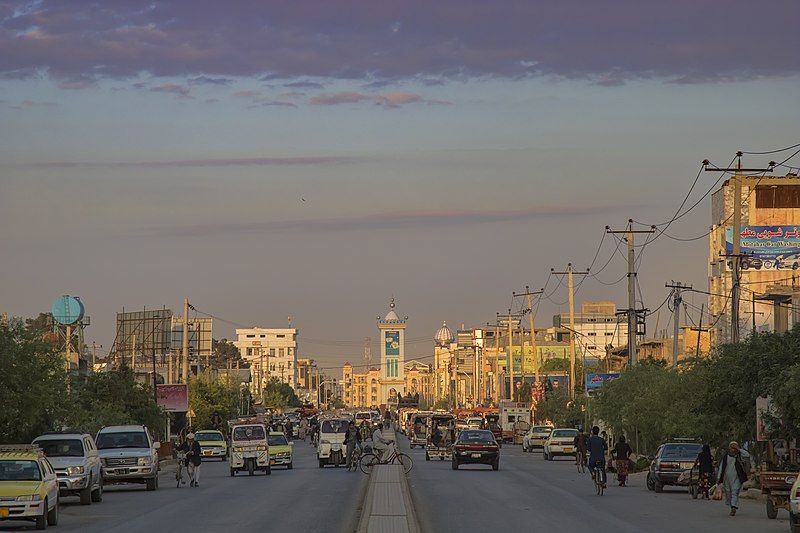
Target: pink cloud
172, 88
398, 98
339, 98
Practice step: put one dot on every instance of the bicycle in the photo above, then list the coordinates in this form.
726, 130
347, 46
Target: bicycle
358, 453
598, 474
368, 460
580, 462
179, 470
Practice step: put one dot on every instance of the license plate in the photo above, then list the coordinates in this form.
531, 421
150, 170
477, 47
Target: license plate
272, 462
249, 455
567, 450
3, 512
122, 471
476, 456
207, 453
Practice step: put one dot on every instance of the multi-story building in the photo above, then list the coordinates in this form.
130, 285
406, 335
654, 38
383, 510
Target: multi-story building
271, 352
597, 329
769, 239
307, 377
419, 380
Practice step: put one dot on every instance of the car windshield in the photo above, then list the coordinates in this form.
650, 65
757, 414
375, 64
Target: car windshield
206, 436
19, 471
476, 436
61, 447
681, 451
249, 433
363, 416
564, 433
334, 426
541, 429
277, 440
123, 439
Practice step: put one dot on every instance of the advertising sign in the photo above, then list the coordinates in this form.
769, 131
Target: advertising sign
526, 364
392, 340
767, 247
173, 398
595, 381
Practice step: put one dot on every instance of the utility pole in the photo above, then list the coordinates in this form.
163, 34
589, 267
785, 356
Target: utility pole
632, 315
736, 237
700, 329
510, 349
677, 299
571, 289
185, 341
94, 354
532, 320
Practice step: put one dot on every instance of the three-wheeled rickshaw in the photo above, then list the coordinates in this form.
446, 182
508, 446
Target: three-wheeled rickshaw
418, 435
440, 436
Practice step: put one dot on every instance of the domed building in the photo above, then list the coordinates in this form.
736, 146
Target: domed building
444, 337
442, 355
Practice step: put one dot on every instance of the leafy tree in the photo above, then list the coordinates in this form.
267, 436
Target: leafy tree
224, 351
40, 325
559, 409
279, 395
113, 398
33, 384
209, 394
524, 393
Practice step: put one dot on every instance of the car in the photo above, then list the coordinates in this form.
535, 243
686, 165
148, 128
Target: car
76, 461
476, 446
794, 507
129, 454
28, 486
535, 437
212, 444
475, 422
670, 460
280, 450
559, 443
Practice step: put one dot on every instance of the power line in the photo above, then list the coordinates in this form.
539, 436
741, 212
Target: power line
767, 152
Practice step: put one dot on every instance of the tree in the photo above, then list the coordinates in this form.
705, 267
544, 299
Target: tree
280, 395
33, 384
113, 398
560, 410
223, 351
209, 394
524, 393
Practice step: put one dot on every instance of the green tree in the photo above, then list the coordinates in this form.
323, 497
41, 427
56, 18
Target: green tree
280, 395
223, 352
209, 394
113, 398
33, 384
560, 410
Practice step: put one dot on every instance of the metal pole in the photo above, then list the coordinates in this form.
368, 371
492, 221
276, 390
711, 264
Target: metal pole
571, 290
736, 237
510, 358
700, 330
631, 297
532, 319
677, 300
185, 340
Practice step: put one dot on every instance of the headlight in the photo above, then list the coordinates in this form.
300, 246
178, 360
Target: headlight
29, 498
324, 442
74, 470
103, 462
261, 448
145, 461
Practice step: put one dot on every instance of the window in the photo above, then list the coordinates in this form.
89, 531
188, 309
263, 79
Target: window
591, 347
609, 334
592, 320
263, 336
280, 352
777, 196
281, 336
272, 352
592, 334
251, 336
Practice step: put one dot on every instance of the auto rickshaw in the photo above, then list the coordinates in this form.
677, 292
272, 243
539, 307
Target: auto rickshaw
777, 476
419, 432
440, 436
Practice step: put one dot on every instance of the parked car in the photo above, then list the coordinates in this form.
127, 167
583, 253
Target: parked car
280, 450
535, 437
794, 507
212, 444
560, 443
476, 446
28, 486
76, 461
670, 460
129, 454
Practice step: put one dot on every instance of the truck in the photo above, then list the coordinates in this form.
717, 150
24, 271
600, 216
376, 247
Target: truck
510, 414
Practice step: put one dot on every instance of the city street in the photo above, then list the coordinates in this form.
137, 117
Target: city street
303, 499
528, 493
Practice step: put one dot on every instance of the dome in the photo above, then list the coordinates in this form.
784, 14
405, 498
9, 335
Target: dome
443, 335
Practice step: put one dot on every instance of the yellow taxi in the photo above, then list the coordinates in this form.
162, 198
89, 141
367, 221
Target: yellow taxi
28, 486
212, 444
280, 450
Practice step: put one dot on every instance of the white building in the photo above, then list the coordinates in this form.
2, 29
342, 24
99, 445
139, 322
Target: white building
597, 328
271, 352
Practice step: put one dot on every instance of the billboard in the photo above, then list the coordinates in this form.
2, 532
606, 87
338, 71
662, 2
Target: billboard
173, 398
767, 247
595, 381
392, 342
524, 364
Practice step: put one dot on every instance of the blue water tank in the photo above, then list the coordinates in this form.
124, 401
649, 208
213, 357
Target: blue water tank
67, 310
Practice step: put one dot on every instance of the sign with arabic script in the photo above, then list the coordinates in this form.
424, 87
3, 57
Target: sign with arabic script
767, 247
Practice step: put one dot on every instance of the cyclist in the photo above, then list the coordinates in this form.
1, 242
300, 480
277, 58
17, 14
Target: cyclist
580, 442
379, 444
352, 439
597, 447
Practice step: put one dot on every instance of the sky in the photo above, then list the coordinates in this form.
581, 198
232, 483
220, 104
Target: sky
311, 159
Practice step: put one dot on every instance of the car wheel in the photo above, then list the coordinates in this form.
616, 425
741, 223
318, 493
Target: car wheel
794, 523
496, 464
268, 470
41, 521
658, 486
322, 463
86, 494
233, 472
52, 515
151, 484
427, 456
772, 511
289, 466
454, 464
97, 495
649, 482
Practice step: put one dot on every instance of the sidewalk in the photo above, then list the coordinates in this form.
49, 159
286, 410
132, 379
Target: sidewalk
388, 507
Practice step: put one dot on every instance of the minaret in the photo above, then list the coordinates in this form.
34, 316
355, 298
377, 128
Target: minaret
392, 336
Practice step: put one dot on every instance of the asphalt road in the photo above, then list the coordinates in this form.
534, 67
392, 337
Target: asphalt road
306, 498
530, 494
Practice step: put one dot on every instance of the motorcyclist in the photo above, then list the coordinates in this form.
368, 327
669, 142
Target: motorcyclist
597, 447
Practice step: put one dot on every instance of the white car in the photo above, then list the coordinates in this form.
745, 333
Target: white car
560, 442
794, 507
129, 454
75, 459
535, 437
475, 423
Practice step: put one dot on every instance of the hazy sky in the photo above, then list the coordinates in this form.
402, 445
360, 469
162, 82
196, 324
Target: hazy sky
312, 158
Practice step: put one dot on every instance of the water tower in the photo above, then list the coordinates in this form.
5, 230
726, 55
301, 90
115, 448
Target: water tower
69, 321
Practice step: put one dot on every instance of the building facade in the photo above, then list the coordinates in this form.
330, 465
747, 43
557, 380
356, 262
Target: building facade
392, 331
271, 352
597, 328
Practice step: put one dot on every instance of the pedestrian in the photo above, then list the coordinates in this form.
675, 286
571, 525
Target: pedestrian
705, 469
732, 476
352, 439
622, 458
193, 457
